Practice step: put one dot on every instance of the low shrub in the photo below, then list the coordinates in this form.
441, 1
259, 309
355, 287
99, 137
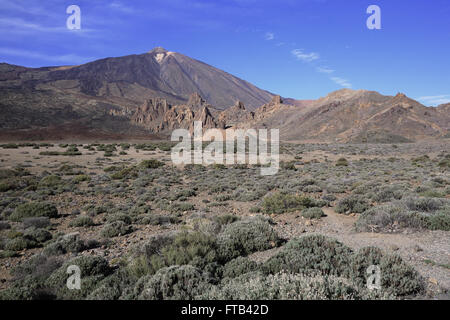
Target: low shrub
246, 236
280, 203
34, 209
310, 255
82, 221
397, 278
284, 286
150, 164
93, 270
385, 217
115, 229
352, 204
173, 283
313, 213
238, 267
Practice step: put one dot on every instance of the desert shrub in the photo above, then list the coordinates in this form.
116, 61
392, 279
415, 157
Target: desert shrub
239, 266
438, 221
38, 235
181, 207
226, 219
423, 204
341, 162
385, 217
114, 286
67, 243
125, 173
288, 165
192, 248
352, 204
311, 254
173, 283
280, 203
329, 197
82, 221
29, 279
246, 236
284, 286
397, 278
37, 222
81, 178
93, 270
34, 209
312, 188
20, 243
432, 194
50, 182
118, 216
313, 213
115, 229
388, 193
156, 219
151, 164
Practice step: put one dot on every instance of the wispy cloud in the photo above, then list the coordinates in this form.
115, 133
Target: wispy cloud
121, 7
324, 70
307, 57
66, 58
21, 26
342, 82
435, 100
269, 36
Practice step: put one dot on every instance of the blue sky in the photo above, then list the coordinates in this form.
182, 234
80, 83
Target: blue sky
302, 49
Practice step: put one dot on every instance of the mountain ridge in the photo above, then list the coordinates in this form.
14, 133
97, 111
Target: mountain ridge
147, 95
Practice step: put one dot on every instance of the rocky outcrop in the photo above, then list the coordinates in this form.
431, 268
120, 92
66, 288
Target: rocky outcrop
157, 115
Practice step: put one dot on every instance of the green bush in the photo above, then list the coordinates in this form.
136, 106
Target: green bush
341, 162
439, 220
114, 287
246, 236
50, 182
194, 248
173, 283
238, 267
352, 204
151, 164
313, 213
382, 218
82, 221
34, 209
310, 255
280, 203
282, 286
397, 278
65, 244
93, 270
20, 243
115, 229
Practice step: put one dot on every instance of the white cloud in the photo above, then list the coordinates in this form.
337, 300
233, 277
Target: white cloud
342, 82
307, 57
67, 58
324, 70
121, 7
435, 100
21, 26
269, 36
